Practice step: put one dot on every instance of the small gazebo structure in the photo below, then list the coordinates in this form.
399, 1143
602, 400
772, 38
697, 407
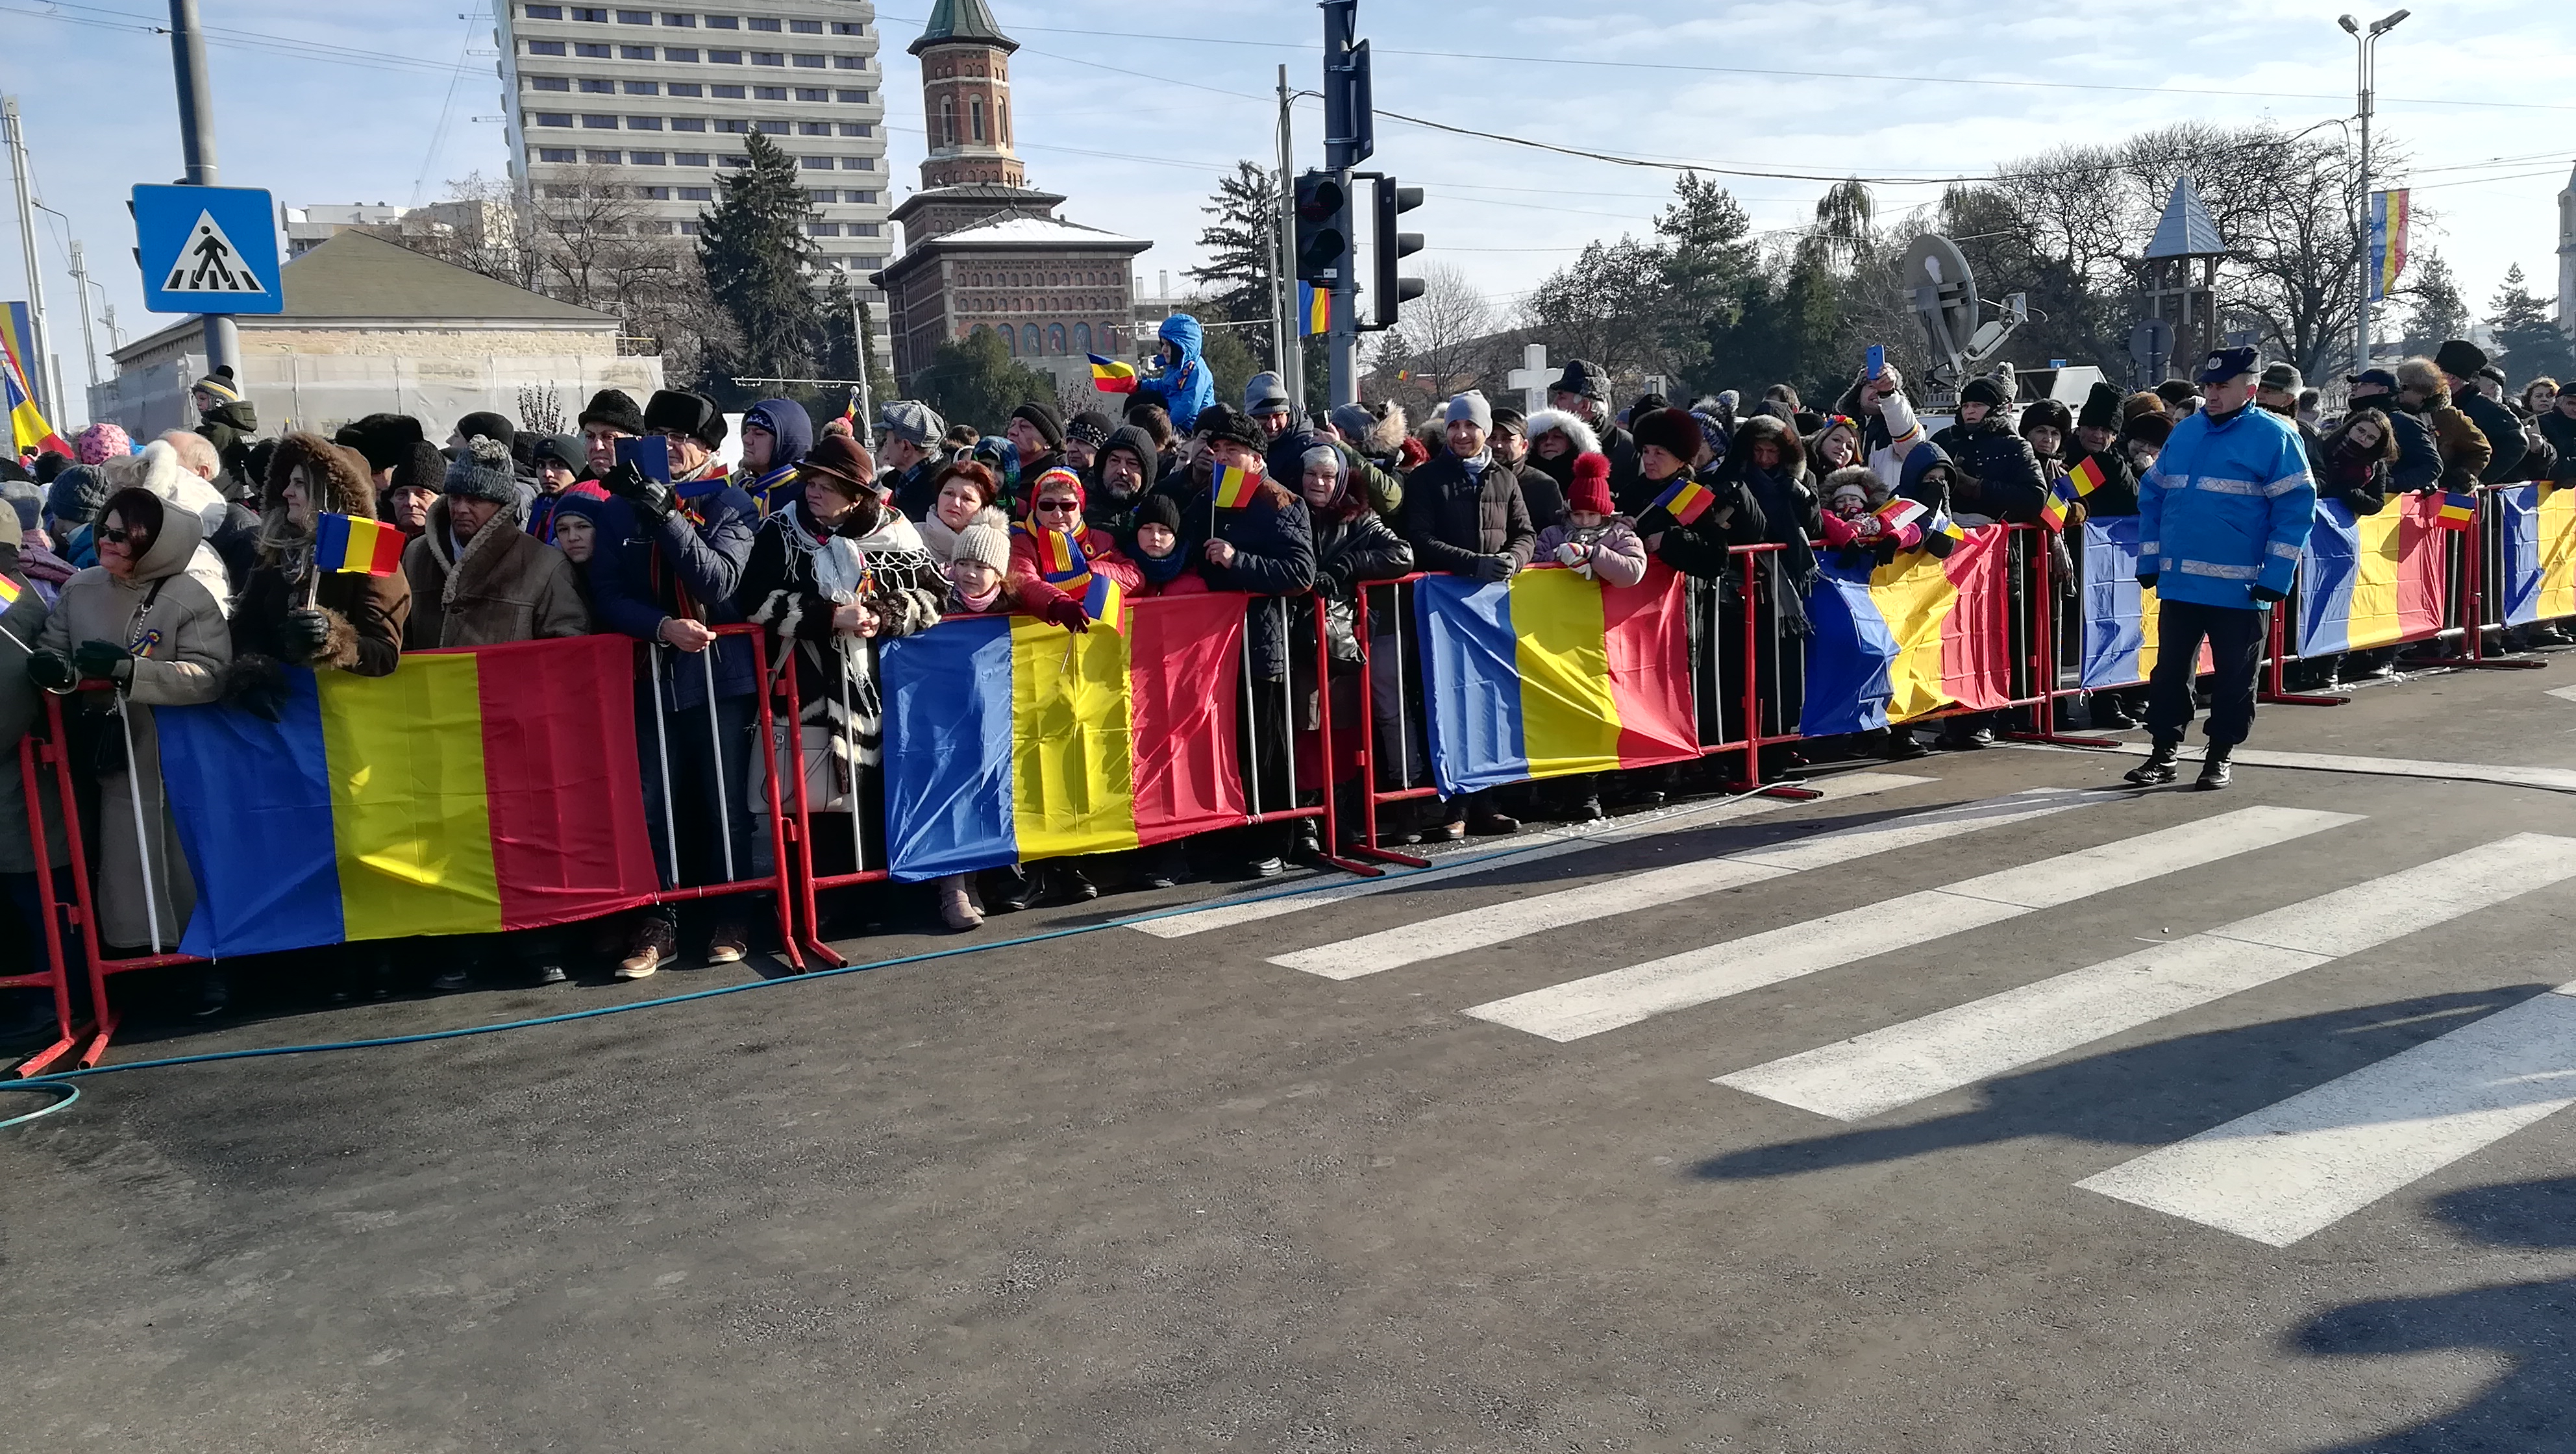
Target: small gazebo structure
2182, 273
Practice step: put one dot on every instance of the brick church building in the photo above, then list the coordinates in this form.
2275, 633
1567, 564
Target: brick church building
984, 250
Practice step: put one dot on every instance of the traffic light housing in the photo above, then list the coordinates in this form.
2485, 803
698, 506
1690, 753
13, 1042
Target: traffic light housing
1392, 247
1323, 229
1350, 114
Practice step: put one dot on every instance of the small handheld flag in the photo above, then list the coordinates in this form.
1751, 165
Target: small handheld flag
1104, 600
1685, 500
1235, 485
1900, 512
10, 591
1945, 526
2087, 477
355, 545
2052, 509
1112, 376
1315, 305
850, 415
2459, 512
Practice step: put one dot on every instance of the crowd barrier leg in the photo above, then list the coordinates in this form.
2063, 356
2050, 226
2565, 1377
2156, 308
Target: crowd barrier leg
2042, 616
56, 975
1334, 852
2272, 687
1749, 780
1366, 846
2471, 611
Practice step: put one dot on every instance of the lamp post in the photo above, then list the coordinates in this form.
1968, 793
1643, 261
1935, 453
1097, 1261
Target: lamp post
2366, 44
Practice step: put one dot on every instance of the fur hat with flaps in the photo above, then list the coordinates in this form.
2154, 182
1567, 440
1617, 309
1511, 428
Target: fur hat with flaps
2101, 407
1670, 430
2048, 413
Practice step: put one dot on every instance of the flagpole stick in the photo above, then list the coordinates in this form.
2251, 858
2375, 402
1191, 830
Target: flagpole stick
14, 641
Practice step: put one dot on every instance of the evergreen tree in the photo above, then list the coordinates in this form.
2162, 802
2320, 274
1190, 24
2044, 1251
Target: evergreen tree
978, 382
2531, 344
2439, 312
754, 251
1242, 246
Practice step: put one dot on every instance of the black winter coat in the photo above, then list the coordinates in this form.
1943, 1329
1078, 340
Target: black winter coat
1998, 476
2419, 457
1355, 549
1543, 494
1274, 555
1700, 548
1452, 518
2362, 485
2503, 432
2118, 493
2560, 431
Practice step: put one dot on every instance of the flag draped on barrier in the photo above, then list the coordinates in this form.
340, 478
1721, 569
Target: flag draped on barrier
2539, 553
2372, 579
468, 792
1009, 739
1908, 638
1549, 674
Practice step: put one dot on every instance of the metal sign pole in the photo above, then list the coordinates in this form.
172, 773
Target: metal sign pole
197, 145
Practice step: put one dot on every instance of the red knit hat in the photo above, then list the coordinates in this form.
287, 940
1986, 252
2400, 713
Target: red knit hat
1591, 487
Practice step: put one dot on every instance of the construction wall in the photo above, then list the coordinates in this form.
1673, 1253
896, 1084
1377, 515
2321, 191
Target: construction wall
322, 391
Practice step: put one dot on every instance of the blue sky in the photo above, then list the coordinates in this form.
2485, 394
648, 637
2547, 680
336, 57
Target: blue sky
1133, 110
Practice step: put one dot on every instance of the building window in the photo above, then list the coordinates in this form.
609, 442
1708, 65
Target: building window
591, 52
858, 128
769, 93
599, 123
554, 118
545, 12
733, 161
854, 98
601, 158
946, 134
724, 57
975, 115
545, 47
1055, 338
812, 93
859, 164
549, 83
768, 58
827, 195
635, 52
697, 194
723, 22
851, 63
1082, 338
690, 159
815, 164
805, 27
688, 123
643, 123
599, 88
732, 124
725, 93
848, 27
822, 229
770, 128
679, 53
635, 17
1010, 339
685, 22
866, 199
688, 229
761, 24
810, 62
556, 154
643, 88
589, 13
650, 159
652, 194
863, 229
813, 128
687, 88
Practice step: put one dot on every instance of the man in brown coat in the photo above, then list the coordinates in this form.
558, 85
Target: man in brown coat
478, 578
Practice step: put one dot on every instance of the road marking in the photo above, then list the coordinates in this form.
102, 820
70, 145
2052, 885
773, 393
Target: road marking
2566, 694
1501, 923
1871, 1074
1590, 1005
2560, 778
2301, 1165
1226, 914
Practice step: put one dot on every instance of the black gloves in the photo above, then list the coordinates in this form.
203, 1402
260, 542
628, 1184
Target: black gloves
2147, 578
52, 670
1493, 567
2265, 596
304, 634
104, 660
1067, 612
650, 497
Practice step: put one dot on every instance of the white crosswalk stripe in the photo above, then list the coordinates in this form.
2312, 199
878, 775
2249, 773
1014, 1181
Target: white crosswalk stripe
1608, 1001
1502, 923
2294, 1168
1235, 912
1885, 1069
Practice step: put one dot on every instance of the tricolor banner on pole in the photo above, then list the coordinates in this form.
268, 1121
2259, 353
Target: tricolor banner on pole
2389, 213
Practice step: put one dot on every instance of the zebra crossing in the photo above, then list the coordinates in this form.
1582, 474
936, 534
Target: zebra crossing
2275, 1175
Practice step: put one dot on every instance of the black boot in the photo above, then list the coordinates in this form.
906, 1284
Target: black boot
2159, 768
2213, 768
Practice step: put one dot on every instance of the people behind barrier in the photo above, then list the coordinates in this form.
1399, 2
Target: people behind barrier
290, 612
963, 493
477, 577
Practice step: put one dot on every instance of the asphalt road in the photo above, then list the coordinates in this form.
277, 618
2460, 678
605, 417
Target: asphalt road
1131, 1190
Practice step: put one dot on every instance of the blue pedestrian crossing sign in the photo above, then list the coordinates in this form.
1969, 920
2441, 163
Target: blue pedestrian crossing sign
207, 250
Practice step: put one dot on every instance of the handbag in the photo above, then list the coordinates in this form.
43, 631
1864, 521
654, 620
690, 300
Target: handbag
828, 779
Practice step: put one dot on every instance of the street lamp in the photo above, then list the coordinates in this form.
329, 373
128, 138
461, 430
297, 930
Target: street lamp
2367, 46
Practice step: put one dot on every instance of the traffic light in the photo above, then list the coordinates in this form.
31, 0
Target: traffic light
1323, 229
1393, 290
1350, 116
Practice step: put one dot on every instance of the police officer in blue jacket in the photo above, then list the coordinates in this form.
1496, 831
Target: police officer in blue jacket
2222, 518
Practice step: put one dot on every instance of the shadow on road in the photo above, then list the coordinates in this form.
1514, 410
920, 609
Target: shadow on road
2533, 1324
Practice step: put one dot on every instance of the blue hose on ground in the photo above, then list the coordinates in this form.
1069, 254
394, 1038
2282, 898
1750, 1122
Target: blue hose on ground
60, 1079
65, 1095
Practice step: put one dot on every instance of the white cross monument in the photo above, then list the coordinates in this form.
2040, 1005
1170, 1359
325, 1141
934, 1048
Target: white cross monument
1531, 378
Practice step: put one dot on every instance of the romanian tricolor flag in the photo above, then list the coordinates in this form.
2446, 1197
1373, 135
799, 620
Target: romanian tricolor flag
2119, 614
2539, 553
2390, 215
1548, 674
2371, 580
10, 591
356, 545
1112, 376
2458, 512
2052, 506
1315, 306
1235, 485
1008, 739
1908, 638
2087, 476
1686, 499
29, 433
1900, 512
469, 792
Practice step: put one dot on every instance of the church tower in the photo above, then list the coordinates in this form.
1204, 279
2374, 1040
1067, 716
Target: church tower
2567, 258
966, 97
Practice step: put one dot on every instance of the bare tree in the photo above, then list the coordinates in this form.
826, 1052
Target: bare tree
1444, 341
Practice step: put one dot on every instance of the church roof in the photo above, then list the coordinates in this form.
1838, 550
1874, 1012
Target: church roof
2186, 229
1038, 231
961, 20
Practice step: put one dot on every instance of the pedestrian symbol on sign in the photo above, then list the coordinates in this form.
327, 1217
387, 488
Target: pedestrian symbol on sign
210, 263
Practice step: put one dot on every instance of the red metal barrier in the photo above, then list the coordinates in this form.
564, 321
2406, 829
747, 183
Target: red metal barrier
55, 976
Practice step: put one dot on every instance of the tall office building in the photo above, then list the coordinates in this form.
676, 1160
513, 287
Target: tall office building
660, 100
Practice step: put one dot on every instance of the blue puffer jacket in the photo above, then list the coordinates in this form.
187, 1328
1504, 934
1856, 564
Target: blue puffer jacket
1187, 388
2226, 508
639, 578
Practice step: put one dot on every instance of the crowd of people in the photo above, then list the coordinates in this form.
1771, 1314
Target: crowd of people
182, 571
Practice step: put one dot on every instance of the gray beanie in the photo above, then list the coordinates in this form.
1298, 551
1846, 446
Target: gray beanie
985, 543
912, 421
481, 471
1354, 421
1471, 405
1265, 394
76, 494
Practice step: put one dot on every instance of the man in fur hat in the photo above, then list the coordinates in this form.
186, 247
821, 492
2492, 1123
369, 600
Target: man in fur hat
2461, 362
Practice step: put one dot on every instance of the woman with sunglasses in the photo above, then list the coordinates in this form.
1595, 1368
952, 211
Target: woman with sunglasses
139, 622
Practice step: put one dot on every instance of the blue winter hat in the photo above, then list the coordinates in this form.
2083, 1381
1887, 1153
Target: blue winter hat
787, 423
2228, 363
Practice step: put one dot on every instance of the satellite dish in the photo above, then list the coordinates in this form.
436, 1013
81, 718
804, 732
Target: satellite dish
1943, 292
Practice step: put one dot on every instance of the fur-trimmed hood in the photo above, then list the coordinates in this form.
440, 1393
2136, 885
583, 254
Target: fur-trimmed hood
1386, 435
1586, 440
348, 488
